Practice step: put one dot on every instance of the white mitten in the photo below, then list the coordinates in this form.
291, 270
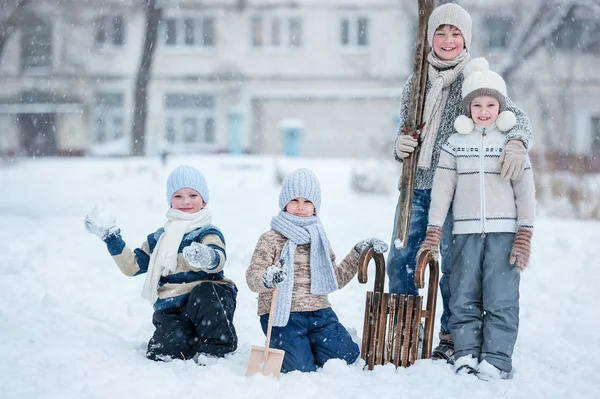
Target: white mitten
273, 276
405, 145
200, 256
378, 245
101, 223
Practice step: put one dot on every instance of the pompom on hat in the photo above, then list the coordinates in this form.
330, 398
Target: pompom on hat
450, 14
186, 176
300, 183
481, 81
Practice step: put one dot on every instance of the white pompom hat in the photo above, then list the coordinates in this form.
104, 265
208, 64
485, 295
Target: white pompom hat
481, 81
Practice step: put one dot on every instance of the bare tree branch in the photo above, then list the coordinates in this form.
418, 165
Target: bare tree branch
10, 24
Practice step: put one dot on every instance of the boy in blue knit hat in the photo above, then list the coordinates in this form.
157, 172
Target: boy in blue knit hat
304, 325
193, 301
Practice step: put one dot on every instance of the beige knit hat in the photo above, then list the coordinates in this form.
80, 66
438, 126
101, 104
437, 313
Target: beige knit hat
450, 14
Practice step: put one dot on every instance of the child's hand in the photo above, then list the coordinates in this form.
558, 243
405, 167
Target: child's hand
378, 245
431, 243
521, 248
101, 223
273, 276
200, 256
405, 145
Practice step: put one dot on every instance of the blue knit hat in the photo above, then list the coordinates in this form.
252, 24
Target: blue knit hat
186, 176
300, 183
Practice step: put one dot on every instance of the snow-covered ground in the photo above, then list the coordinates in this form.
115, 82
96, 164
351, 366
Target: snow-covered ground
72, 326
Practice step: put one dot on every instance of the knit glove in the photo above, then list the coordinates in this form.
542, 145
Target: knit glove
521, 248
378, 245
405, 145
433, 236
101, 223
273, 276
200, 256
513, 159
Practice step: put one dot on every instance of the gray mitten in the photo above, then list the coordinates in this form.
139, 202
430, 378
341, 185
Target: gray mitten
101, 223
200, 256
378, 245
273, 276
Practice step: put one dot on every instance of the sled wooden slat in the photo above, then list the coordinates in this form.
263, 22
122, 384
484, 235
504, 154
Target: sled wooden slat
383, 314
406, 330
389, 343
414, 346
392, 323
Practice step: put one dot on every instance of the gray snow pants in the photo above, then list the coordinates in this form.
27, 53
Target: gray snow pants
484, 298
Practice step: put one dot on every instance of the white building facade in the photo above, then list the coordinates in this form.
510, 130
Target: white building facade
316, 78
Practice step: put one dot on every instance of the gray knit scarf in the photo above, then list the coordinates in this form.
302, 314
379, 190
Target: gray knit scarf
298, 231
441, 74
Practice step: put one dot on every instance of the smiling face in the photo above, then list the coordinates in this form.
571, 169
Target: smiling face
301, 207
187, 200
484, 110
448, 42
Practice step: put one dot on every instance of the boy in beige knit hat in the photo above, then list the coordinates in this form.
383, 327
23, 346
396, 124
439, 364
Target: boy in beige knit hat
449, 35
493, 224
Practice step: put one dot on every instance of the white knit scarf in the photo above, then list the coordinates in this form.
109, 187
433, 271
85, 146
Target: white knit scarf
163, 259
441, 74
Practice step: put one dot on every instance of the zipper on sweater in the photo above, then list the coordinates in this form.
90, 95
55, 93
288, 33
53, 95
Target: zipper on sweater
482, 182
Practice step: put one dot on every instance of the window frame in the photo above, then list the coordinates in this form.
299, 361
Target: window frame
202, 112
108, 20
108, 113
285, 40
353, 35
200, 21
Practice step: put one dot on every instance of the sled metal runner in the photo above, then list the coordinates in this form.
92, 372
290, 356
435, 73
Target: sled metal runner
392, 322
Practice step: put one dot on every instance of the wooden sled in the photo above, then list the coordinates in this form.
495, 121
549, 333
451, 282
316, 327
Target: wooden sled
393, 322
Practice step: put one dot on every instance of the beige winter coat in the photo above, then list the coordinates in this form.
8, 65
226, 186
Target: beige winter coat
268, 251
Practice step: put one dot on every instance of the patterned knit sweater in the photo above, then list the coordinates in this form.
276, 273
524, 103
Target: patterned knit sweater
424, 179
468, 174
173, 289
268, 251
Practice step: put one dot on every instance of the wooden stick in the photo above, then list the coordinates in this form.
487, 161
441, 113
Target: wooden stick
270, 324
413, 120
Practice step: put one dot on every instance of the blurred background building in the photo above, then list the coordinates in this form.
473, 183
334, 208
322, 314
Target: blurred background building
302, 77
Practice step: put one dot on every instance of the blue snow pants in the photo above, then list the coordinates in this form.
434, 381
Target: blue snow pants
310, 339
401, 262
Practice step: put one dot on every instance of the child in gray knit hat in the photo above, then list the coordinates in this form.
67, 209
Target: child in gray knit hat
295, 256
183, 261
493, 225
449, 35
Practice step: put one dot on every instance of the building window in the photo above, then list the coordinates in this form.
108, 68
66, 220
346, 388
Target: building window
189, 32
110, 31
276, 31
579, 34
497, 31
354, 31
109, 120
36, 43
189, 118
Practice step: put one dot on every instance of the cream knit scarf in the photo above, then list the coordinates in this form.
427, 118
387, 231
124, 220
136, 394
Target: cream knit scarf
441, 74
163, 259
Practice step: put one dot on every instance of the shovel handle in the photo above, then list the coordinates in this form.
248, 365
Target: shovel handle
270, 323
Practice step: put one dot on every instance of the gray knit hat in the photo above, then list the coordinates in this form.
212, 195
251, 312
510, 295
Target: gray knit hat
450, 14
186, 176
300, 183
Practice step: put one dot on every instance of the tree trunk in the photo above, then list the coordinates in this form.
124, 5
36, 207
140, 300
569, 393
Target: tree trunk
12, 22
140, 104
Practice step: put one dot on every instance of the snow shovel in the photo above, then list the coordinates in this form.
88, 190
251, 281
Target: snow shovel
266, 360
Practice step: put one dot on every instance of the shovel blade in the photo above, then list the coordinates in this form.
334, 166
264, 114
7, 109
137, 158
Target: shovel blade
257, 363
